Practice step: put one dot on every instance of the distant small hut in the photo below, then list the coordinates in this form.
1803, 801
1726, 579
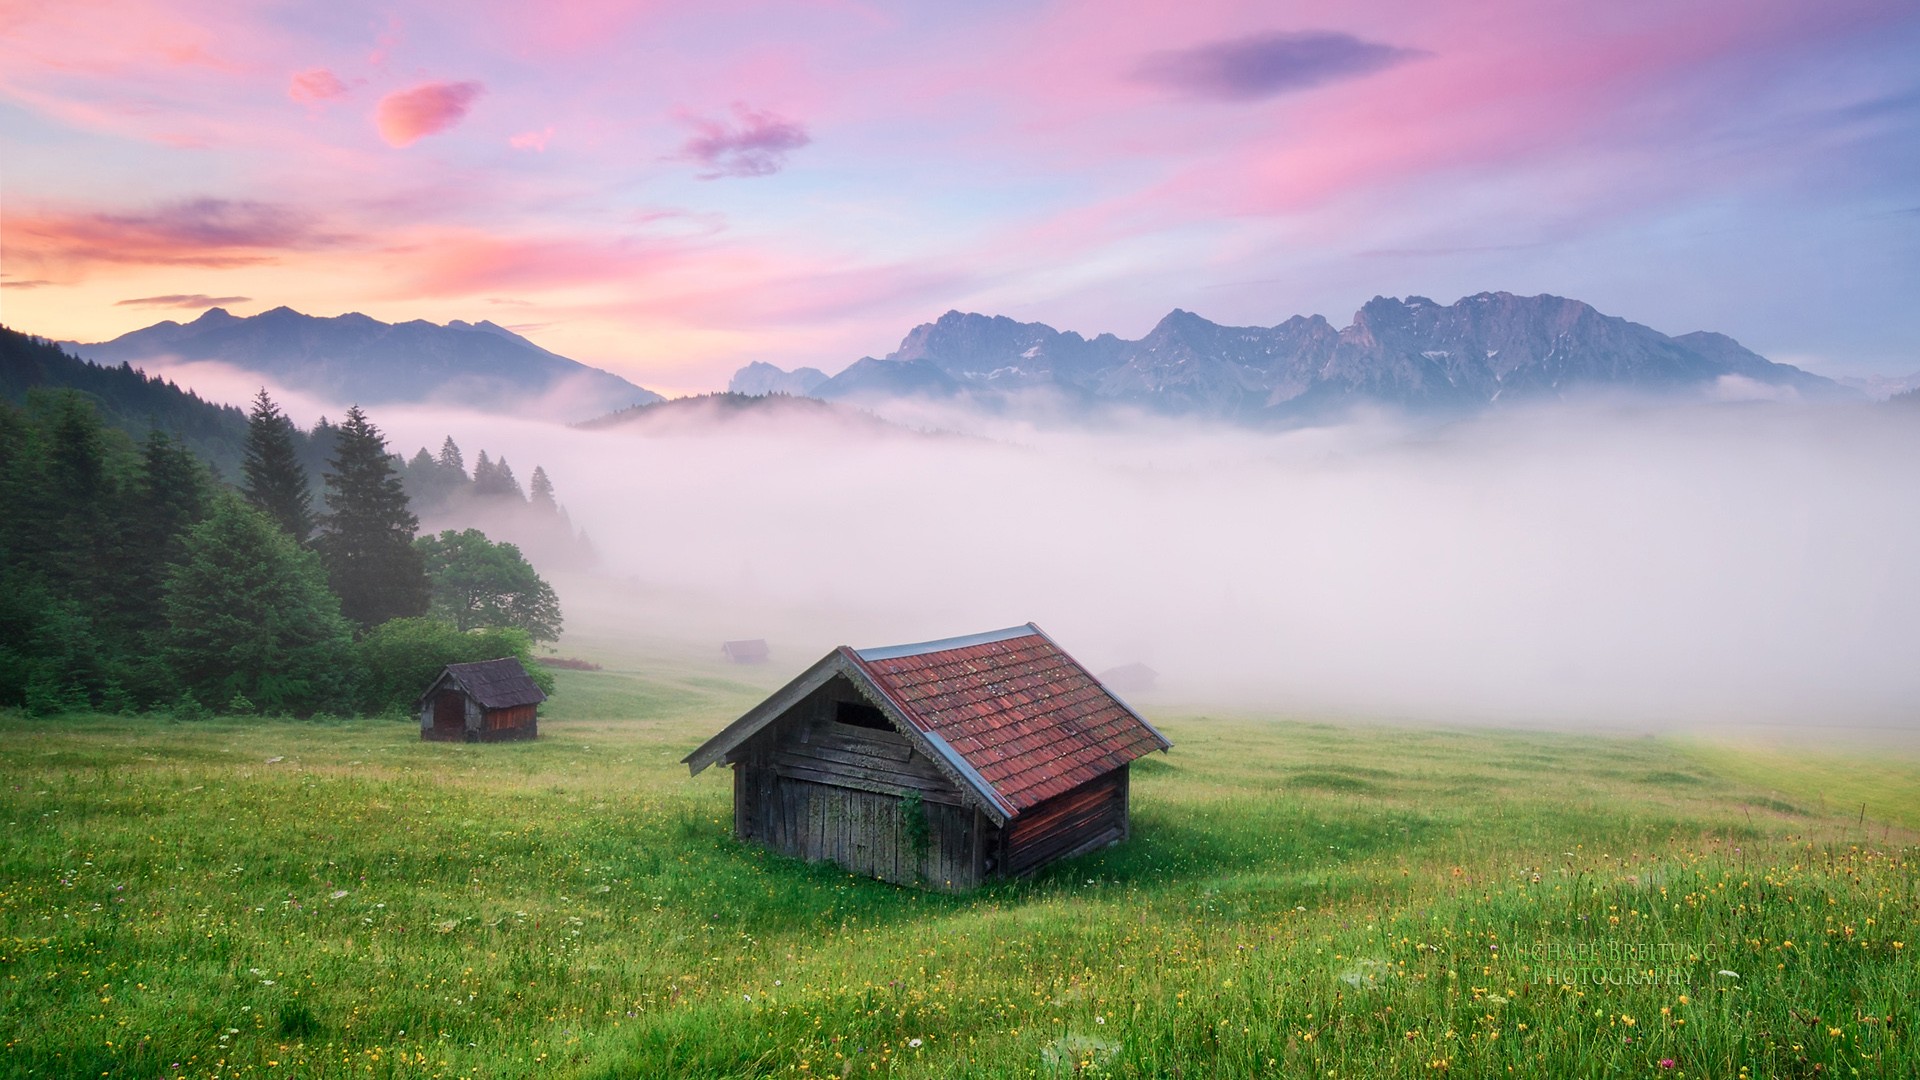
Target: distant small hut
750, 651
1134, 678
943, 764
491, 701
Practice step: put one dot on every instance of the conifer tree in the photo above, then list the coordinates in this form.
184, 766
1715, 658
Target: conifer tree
249, 615
482, 474
274, 480
74, 545
169, 498
540, 492
368, 542
451, 461
504, 483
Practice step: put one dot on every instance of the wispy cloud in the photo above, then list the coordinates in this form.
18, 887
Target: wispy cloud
30, 283
535, 141
404, 117
1444, 251
317, 85
1266, 65
213, 233
191, 301
756, 144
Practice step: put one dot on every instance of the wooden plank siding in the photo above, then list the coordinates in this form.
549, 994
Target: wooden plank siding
1090, 816
502, 725
864, 831
818, 789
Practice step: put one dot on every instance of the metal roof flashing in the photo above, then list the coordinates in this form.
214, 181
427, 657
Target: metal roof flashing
893, 652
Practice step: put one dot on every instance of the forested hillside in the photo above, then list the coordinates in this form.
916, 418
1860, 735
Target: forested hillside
131, 401
132, 578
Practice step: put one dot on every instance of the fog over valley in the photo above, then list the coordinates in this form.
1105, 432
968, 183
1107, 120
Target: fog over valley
1614, 565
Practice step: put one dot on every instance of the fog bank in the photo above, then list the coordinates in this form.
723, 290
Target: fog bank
1619, 565
1639, 566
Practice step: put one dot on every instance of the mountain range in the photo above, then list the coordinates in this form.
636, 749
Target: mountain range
355, 358
1490, 349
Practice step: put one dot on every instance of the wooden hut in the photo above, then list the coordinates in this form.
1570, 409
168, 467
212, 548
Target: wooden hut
943, 763
491, 701
1134, 678
748, 651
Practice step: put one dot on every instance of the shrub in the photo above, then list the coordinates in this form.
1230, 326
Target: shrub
400, 657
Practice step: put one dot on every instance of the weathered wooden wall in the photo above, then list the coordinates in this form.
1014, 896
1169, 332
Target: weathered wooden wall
501, 725
816, 788
1090, 816
864, 831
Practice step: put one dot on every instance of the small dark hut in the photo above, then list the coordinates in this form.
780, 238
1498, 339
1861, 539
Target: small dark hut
749, 651
1134, 678
491, 701
943, 763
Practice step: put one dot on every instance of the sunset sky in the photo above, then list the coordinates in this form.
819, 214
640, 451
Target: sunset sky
671, 190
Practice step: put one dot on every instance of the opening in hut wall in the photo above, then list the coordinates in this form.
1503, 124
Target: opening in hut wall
862, 715
449, 714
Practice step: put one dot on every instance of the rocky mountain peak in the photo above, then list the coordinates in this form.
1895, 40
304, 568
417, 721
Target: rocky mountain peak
1487, 349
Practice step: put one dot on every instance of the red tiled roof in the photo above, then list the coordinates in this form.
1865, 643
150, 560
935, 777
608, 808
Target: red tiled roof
1026, 716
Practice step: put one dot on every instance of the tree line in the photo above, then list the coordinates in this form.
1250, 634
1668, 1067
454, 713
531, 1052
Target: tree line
132, 578
440, 485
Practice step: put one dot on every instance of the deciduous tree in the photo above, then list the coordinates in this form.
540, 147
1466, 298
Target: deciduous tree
477, 583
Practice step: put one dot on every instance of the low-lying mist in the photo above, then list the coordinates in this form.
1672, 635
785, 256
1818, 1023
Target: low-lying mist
1621, 566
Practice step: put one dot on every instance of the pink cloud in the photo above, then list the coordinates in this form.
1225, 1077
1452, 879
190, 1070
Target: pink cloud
535, 141
456, 262
404, 117
756, 145
316, 85
210, 233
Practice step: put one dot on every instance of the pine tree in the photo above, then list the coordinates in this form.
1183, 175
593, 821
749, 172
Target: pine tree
483, 474
169, 498
249, 614
450, 459
541, 492
494, 479
420, 475
504, 483
274, 480
368, 542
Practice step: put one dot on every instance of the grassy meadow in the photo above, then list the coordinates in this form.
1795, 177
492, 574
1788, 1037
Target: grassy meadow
285, 898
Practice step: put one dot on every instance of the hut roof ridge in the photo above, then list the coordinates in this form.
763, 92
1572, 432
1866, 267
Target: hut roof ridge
497, 684
1008, 710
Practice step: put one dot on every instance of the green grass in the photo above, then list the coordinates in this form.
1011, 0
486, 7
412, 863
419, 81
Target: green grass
276, 898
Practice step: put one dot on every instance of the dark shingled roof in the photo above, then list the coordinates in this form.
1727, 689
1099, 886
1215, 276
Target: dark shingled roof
496, 684
1026, 716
